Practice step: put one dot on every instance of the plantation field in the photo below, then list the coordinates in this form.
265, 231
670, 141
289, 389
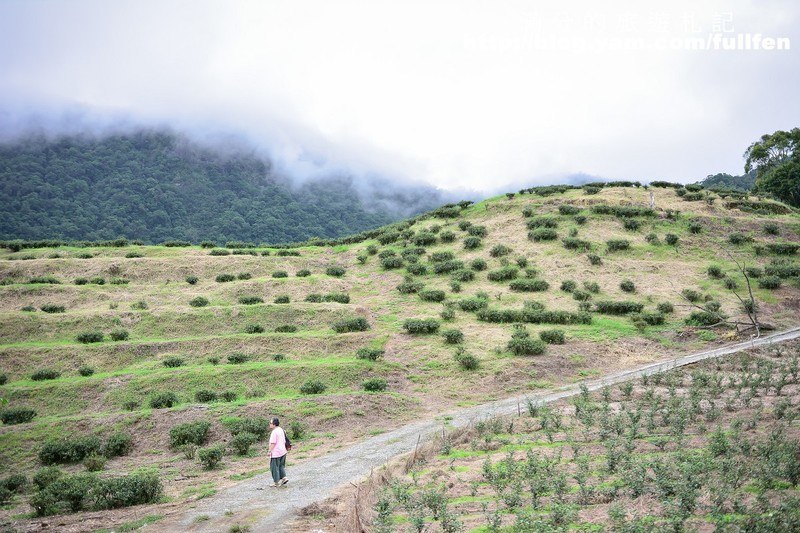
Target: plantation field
349, 339
710, 447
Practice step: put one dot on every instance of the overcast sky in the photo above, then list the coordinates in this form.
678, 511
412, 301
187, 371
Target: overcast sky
458, 94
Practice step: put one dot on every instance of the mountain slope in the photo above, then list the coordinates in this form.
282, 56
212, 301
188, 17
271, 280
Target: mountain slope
447, 310
156, 186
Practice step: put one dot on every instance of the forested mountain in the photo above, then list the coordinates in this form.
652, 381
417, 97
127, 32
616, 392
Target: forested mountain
157, 186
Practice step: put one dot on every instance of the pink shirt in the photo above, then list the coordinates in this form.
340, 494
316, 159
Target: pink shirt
278, 438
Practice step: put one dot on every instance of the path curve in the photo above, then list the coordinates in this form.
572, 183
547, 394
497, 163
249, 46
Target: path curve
316, 479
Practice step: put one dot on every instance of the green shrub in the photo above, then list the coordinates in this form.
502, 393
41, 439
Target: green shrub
257, 426
417, 269
424, 238
466, 361
568, 285
783, 248
477, 231
253, 329
715, 272
552, 336
286, 328
350, 324
28, 309
51, 308
173, 362
117, 444
423, 326
478, 264
335, 271
627, 286
314, 298
618, 308
453, 336
769, 282
471, 243
205, 396
374, 385
86, 371
244, 275
543, 234
591, 286
631, 224
163, 400
692, 295
665, 308
313, 386
67, 493
280, 274
238, 358
754, 272
207, 244
447, 236
704, 318
138, 488
371, 354
503, 274
473, 303
3, 379
119, 335
617, 245
739, 238
210, 457
44, 477
588, 189
432, 295
119, 281
68, 450
282, 299
224, 278
447, 267
595, 259
303, 273
652, 238
88, 337
16, 415
94, 463
45, 374
521, 343
581, 296
241, 442
392, 262
338, 297
463, 275
572, 243
219, 251
651, 319
410, 287
529, 285
141, 305
189, 433
80, 281
133, 255
671, 239
250, 300
542, 222
566, 209
499, 250
49, 280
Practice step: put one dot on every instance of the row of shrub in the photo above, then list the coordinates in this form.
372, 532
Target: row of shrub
75, 449
533, 316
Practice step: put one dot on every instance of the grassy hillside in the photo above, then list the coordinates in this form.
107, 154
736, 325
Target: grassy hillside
234, 340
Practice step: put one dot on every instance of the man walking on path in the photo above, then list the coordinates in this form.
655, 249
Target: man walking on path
277, 453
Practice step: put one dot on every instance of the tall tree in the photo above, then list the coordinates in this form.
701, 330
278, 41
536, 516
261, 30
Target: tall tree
776, 159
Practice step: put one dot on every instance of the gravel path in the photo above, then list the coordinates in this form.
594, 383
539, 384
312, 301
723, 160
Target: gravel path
271, 509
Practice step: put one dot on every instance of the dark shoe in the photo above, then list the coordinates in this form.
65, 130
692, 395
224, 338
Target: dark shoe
284, 481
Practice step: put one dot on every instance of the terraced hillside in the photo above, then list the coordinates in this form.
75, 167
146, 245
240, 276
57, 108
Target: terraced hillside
467, 304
